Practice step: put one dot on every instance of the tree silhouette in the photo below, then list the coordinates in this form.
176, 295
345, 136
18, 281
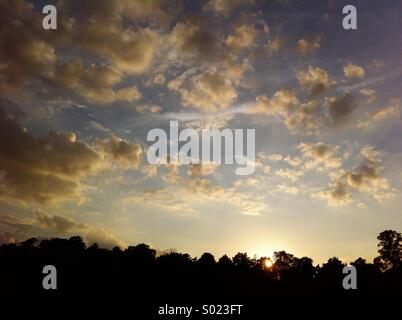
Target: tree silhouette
390, 250
139, 273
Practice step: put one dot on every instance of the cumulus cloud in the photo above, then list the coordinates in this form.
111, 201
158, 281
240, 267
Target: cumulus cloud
290, 174
307, 45
243, 37
288, 189
11, 227
353, 71
94, 82
199, 169
187, 192
58, 223
339, 195
159, 79
125, 153
30, 54
282, 103
320, 156
47, 169
194, 42
208, 91
65, 225
275, 44
341, 108
98, 27
364, 178
127, 50
315, 80
304, 117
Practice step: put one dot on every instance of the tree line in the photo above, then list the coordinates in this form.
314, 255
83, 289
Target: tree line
139, 273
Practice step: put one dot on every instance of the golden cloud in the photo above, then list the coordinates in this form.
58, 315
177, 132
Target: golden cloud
341, 108
31, 54
225, 7
282, 103
390, 111
65, 225
320, 155
353, 71
125, 153
208, 91
194, 42
364, 178
47, 169
307, 45
93, 82
315, 80
275, 44
243, 37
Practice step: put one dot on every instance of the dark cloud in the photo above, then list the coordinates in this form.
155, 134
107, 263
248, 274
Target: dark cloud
340, 109
46, 169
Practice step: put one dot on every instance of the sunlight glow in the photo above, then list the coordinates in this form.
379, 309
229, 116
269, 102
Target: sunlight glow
268, 263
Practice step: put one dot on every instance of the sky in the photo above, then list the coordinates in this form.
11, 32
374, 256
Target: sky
77, 103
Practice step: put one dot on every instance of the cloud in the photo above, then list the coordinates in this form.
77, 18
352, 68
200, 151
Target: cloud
364, 178
353, 71
288, 189
65, 225
275, 44
304, 117
243, 37
226, 7
148, 108
47, 169
372, 118
58, 223
194, 42
314, 80
125, 153
320, 156
282, 103
127, 50
24, 53
12, 227
98, 27
97, 126
162, 198
208, 122
31, 55
208, 91
307, 45
369, 93
94, 82
341, 108
159, 79
293, 161
339, 195
186, 193
290, 174
6, 238
272, 157
199, 170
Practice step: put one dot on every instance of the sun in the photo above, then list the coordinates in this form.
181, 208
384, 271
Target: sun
268, 263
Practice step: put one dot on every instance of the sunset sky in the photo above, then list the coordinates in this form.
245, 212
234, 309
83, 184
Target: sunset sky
76, 105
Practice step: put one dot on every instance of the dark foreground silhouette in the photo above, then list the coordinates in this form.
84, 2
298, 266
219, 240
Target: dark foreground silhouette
138, 274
